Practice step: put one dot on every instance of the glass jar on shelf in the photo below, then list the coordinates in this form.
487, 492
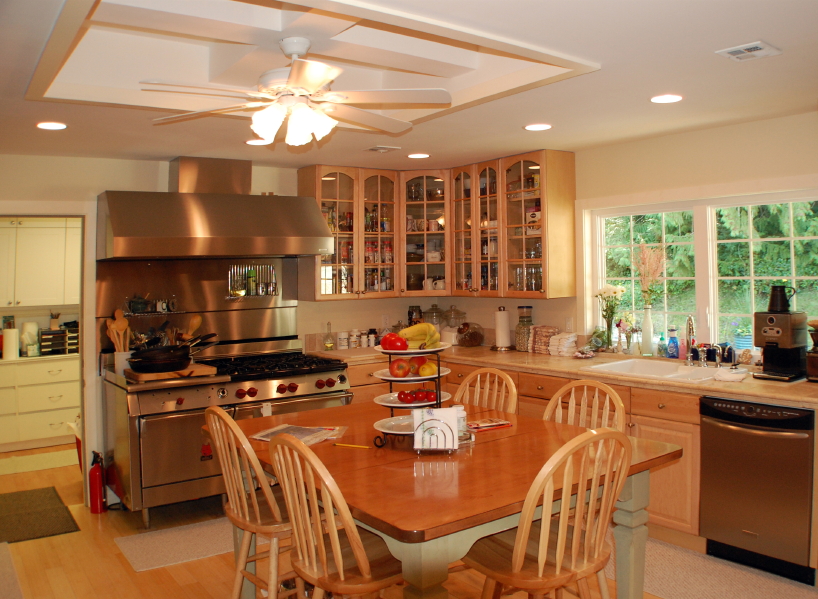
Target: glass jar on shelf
522, 333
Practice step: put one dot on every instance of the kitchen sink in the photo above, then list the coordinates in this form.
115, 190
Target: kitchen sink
653, 369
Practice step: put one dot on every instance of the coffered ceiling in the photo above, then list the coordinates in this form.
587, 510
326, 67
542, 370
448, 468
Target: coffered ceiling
587, 67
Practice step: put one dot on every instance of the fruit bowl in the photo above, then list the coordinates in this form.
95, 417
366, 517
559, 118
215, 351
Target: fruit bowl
384, 375
412, 352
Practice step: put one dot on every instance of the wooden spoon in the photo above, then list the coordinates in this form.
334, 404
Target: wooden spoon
195, 323
119, 314
120, 326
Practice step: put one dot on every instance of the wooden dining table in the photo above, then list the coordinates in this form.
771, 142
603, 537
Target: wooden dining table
431, 507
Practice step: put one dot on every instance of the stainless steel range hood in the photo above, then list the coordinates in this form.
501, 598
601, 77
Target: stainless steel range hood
139, 225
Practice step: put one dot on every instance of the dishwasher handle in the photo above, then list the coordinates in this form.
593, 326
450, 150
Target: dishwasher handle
758, 431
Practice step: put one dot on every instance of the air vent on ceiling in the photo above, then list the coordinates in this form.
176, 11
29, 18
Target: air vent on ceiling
382, 149
749, 51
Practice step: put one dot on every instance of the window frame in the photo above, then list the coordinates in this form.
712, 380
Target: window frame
591, 256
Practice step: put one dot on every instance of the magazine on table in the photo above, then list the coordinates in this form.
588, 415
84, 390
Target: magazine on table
309, 435
487, 424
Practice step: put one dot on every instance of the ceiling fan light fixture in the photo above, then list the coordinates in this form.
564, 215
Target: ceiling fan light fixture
259, 142
304, 122
267, 122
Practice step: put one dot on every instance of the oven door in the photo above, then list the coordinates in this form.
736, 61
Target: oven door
296, 404
172, 448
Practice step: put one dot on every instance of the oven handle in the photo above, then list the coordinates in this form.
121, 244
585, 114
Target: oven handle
758, 431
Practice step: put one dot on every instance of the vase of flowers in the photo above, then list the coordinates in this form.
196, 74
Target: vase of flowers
626, 325
609, 298
650, 265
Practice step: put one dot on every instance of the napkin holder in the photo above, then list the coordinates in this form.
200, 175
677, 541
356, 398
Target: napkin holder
435, 429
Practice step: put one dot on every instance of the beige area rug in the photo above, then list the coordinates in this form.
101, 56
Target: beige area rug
39, 461
672, 572
9, 583
149, 550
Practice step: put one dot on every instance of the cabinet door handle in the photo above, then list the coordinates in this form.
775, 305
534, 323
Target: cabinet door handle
363, 292
631, 425
57, 397
18, 302
542, 290
539, 387
55, 372
9, 302
371, 374
403, 290
460, 375
661, 406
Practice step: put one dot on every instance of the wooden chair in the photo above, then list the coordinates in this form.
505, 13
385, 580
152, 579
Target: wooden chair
251, 503
488, 388
545, 555
589, 404
333, 554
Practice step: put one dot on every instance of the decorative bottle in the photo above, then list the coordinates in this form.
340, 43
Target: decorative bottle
672, 343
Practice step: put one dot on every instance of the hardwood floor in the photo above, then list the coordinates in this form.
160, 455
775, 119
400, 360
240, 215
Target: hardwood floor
88, 564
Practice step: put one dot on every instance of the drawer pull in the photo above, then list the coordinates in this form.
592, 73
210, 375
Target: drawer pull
371, 374
55, 424
539, 387
57, 397
631, 425
55, 372
460, 375
661, 406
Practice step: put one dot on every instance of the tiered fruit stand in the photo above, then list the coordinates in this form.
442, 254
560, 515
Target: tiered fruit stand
402, 426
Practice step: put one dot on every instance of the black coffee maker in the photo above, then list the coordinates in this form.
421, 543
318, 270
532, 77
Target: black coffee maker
782, 336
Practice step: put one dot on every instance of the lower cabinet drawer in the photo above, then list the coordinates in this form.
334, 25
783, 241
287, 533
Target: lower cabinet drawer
537, 385
364, 374
458, 373
533, 407
368, 392
41, 425
36, 398
8, 401
56, 371
8, 430
667, 405
8, 376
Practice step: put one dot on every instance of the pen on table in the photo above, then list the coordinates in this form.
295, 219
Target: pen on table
348, 445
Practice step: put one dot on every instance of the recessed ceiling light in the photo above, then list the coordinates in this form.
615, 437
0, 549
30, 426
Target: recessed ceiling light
51, 126
259, 142
537, 127
418, 155
666, 99
534, 167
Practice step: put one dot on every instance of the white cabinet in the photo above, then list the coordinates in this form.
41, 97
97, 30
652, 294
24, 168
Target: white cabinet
40, 261
39, 397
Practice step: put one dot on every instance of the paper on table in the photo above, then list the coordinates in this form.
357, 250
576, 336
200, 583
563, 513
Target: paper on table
309, 435
488, 423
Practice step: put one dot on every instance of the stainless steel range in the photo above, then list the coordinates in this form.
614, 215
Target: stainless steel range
156, 454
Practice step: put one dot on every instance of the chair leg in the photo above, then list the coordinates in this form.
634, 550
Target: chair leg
559, 593
300, 591
583, 588
491, 589
272, 576
318, 593
241, 563
603, 584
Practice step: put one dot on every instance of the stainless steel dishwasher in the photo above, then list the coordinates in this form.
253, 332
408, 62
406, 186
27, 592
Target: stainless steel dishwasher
756, 485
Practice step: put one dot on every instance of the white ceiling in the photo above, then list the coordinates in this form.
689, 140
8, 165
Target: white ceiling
612, 57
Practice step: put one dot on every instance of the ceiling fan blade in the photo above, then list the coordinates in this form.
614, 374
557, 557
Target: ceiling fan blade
250, 92
389, 96
367, 119
311, 75
187, 115
176, 91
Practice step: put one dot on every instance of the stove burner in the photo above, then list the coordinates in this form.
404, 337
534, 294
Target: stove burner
273, 366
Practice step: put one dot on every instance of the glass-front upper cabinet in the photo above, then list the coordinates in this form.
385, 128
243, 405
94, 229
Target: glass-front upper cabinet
488, 227
337, 201
378, 275
462, 232
538, 228
425, 221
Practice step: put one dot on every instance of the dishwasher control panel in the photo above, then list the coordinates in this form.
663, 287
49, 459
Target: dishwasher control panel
762, 414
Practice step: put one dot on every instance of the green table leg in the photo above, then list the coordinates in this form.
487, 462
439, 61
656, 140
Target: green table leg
631, 534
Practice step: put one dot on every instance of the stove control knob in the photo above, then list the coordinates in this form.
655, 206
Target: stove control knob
180, 401
330, 382
342, 378
292, 387
241, 393
282, 388
252, 392
319, 384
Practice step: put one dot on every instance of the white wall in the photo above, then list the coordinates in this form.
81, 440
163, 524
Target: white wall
763, 156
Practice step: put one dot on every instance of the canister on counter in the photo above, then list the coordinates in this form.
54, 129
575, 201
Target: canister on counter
343, 340
354, 338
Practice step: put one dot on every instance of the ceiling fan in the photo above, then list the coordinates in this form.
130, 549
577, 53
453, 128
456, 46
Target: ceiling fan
302, 92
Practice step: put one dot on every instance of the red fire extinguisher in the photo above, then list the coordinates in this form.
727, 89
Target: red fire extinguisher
96, 485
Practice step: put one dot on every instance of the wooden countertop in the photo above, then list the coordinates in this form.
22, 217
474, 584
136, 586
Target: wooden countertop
797, 394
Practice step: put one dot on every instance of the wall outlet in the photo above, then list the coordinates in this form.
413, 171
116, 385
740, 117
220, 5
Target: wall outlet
384, 321
569, 325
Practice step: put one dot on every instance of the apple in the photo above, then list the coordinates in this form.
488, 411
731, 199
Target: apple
399, 368
416, 362
428, 369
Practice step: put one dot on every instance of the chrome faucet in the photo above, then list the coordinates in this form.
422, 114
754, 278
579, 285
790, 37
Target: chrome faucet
690, 332
730, 350
702, 355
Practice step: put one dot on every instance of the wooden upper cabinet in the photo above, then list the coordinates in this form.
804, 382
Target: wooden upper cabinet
359, 206
425, 216
463, 236
537, 225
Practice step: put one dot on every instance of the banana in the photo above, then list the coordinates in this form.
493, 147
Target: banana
421, 336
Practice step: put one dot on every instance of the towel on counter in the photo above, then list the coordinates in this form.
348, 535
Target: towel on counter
564, 344
540, 338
